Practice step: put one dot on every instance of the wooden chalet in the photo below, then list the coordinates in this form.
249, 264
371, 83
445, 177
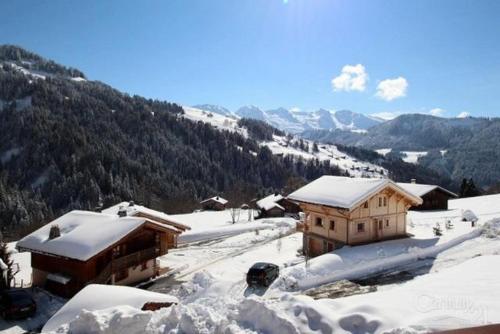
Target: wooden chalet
275, 205
434, 197
215, 203
83, 247
342, 211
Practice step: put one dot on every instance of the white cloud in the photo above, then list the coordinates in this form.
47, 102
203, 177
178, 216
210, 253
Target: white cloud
391, 89
352, 77
437, 112
463, 114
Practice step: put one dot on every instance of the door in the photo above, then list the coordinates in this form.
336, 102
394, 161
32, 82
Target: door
377, 229
331, 247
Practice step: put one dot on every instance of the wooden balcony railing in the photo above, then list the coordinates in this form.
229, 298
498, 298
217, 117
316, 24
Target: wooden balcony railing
124, 262
134, 259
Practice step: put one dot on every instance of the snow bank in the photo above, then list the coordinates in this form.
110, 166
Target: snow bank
425, 304
86, 311
362, 261
462, 296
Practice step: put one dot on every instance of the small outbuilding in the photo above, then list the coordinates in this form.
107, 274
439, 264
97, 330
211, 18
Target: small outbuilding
434, 197
215, 203
276, 205
269, 207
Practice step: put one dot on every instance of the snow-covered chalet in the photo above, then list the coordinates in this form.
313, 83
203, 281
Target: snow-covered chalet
116, 246
342, 211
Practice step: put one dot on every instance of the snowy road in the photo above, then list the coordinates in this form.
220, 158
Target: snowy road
254, 252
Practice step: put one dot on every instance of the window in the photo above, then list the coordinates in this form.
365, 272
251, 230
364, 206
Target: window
319, 221
387, 223
144, 266
121, 275
380, 201
385, 201
380, 224
365, 205
361, 227
332, 225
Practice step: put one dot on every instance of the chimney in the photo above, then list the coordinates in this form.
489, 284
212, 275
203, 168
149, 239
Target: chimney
54, 232
276, 193
122, 212
413, 181
131, 203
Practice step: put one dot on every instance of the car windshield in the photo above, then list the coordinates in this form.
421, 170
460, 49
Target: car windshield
255, 271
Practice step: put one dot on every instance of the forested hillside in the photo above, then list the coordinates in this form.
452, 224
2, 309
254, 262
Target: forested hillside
75, 144
458, 147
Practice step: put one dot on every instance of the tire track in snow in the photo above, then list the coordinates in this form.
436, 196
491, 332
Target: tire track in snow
236, 253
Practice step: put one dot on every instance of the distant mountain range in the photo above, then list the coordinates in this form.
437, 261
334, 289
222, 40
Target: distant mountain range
294, 121
456, 147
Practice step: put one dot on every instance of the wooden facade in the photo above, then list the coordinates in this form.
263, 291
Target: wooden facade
275, 211
130, 260
212, 204
382, 216
290, 206
436, 199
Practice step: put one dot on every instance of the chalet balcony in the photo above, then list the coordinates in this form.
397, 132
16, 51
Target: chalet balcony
134, 259
124, 262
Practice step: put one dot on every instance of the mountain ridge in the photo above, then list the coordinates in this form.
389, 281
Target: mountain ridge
295, 121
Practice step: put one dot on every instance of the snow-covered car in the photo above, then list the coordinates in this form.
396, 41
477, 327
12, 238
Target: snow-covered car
16, 304
262, 274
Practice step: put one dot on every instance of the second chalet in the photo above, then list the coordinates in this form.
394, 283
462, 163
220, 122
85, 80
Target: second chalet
349, 211
82, 247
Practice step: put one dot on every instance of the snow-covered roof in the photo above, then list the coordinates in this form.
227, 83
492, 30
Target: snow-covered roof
84, 234
133, 209
345, 192
269, 202
215, 199
422, 189
96, 297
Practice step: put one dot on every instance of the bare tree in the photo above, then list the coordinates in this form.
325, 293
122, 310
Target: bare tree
235, 214
279, 242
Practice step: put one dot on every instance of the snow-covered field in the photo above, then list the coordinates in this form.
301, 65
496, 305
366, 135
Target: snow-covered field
455, 280
408, 156
412, 156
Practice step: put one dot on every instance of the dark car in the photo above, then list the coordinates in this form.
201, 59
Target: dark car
262, 274
16, 304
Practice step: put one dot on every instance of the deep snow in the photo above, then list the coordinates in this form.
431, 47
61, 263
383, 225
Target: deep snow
458, 285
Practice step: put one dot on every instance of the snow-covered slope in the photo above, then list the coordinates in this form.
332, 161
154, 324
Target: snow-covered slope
214, 109
296, 121
286, 145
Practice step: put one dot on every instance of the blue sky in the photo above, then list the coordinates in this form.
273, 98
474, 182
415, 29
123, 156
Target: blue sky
387, 56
